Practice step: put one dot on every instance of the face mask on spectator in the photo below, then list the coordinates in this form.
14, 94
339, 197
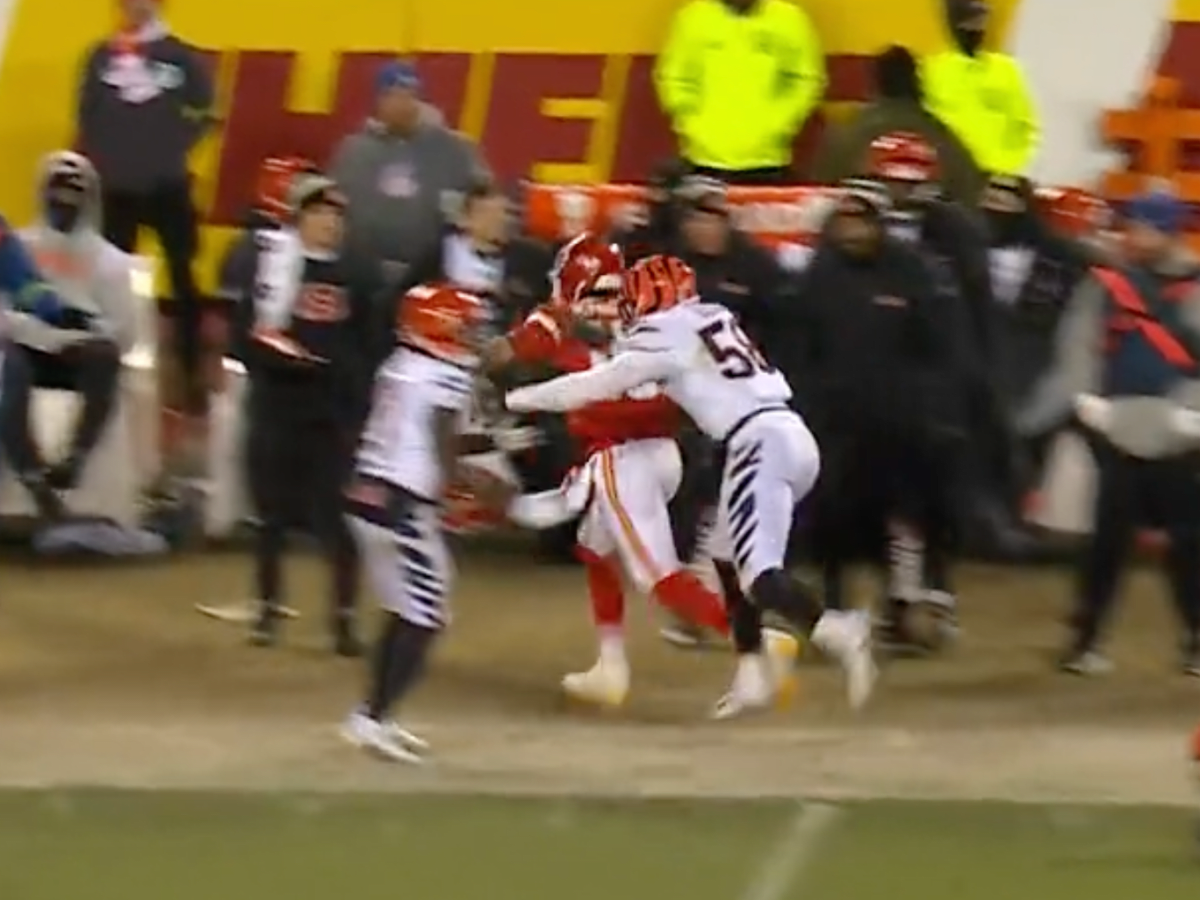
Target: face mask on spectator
65, 199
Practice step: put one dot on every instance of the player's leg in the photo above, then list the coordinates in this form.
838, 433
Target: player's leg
606, 683
408, 565
765, 673
634, 485
771, 467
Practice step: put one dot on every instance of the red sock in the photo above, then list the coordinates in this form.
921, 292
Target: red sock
604, 588
685, 595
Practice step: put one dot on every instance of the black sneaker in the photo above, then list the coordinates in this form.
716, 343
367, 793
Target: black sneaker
265, 631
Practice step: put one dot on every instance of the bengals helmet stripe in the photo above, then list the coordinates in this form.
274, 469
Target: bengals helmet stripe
655, 284
443, 322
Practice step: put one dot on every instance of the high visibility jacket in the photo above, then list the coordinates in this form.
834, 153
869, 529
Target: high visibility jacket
986, 101
737, 87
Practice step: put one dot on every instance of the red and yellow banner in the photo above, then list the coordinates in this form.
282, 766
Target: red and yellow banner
556, 93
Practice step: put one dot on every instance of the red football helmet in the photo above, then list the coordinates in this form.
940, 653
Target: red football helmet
586, 277
1075, 211
903, 156
275, 177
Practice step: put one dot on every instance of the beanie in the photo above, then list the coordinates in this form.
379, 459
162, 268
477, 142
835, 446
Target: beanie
1158, 209
398, 74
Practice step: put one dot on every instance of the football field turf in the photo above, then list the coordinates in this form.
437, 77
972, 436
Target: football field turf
187, 846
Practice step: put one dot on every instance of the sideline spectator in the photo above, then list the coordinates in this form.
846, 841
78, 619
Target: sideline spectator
876, 338
1034, 271
311, 337
732, 269
896, 105
402, 173
1126, 365
954, 245
982, 94
145, 100
658, 232
81, 351
481, 254
738, 79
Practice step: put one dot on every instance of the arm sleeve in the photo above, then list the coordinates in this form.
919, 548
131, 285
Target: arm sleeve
675, 75
802, 72
536, 339
631, 368
19, 277
451, 389
1076, 366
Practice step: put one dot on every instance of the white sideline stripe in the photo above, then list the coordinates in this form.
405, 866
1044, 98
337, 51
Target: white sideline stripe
791, 855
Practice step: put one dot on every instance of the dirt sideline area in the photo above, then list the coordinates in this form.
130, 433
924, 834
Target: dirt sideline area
108, 678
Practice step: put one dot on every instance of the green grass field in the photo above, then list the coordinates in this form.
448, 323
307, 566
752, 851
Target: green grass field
170, 846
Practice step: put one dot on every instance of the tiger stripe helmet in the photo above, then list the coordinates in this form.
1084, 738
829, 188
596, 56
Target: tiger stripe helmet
655, 284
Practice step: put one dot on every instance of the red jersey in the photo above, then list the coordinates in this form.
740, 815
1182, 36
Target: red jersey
542, 338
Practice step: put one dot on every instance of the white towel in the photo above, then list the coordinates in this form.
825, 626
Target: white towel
277, 282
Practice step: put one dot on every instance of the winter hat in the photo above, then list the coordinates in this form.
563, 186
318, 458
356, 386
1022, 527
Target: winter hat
866, 194
398, 74
308, 189
1159, 209
703, 194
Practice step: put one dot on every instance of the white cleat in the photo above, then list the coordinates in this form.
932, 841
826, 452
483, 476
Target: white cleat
846, 636
752, 689
380, 739
405, 737
606, 684
241, 613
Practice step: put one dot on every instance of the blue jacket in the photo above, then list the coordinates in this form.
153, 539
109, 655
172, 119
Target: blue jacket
28, 291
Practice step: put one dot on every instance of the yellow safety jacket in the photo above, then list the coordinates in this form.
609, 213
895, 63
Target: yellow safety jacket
737, 87
986, 101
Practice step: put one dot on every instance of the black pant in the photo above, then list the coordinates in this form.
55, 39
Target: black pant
92, 370
1133, 493
297, 469
770, 176
169, 212
871, 477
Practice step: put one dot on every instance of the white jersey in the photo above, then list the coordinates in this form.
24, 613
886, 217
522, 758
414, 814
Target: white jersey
697, 353
719, 376
398, 444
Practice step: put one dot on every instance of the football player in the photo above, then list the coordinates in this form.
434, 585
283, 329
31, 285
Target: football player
705, 363
408, 458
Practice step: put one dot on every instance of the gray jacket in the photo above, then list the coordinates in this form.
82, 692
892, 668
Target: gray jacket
89, 274
1140, 426
400, 189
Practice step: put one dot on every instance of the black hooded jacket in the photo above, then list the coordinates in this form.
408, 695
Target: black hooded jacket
875, 341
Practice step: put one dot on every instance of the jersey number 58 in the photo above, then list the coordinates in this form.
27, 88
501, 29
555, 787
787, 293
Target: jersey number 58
733, 352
